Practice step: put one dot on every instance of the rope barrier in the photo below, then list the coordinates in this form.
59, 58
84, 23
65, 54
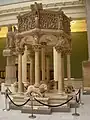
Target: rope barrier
19, 104
62, 103
78, 93
9, 90
54, 105
77, 100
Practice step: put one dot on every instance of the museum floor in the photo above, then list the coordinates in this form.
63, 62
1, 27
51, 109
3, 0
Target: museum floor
84, 111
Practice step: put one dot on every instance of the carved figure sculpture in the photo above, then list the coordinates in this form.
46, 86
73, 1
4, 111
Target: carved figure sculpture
51, 85
10, 43
36, 91
69, 89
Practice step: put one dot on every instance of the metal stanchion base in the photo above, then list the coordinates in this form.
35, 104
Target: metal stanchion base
81, 103
76, 114
32, 116
6, 109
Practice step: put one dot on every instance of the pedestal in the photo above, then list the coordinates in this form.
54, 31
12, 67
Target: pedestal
86, 77
10, 76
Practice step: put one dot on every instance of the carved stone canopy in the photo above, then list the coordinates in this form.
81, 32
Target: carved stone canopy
43, 19
44, 27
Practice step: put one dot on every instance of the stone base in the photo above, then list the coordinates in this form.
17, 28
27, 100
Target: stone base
4, 86
86, 91
86, 76
36, 110
63, 108
50, 98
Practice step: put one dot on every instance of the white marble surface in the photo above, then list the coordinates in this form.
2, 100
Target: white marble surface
84, 111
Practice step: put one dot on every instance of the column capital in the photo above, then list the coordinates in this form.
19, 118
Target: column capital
62, 54
37, 47
43, 44
68, 52
58, 48
19, 50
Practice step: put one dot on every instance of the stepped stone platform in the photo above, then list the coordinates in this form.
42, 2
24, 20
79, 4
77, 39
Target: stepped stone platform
50, 99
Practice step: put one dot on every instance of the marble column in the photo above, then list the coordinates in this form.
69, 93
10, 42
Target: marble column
55, 56
43, 60
32, 69
24, 68
68, 69
60, 80
88, 24
47, 68
37, 65
62, 62
20, 84
59, 69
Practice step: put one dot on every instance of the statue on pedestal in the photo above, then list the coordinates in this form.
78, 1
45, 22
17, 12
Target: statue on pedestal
10, 41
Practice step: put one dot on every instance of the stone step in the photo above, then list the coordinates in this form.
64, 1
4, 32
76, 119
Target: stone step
61, 109
36, 110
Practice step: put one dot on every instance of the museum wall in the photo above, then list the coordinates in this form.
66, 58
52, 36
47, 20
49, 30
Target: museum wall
79, 53
2, 59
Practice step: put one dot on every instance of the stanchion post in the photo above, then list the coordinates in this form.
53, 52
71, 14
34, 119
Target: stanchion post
32, 116
75, 113
6, 95
80, 102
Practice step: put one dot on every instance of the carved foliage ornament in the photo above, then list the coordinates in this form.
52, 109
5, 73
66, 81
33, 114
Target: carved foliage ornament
48, 20
19, 49
26, 22
43, 19
62, 44
37, 47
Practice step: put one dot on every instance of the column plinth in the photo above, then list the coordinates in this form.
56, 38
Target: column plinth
10, 76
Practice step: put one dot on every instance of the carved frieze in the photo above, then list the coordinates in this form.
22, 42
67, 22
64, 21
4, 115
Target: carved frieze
26, 22
48, 20
43, 19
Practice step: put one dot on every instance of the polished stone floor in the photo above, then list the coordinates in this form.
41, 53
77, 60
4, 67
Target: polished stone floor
84, 111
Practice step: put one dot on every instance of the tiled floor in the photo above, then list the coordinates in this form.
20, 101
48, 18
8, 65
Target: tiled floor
84, 111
